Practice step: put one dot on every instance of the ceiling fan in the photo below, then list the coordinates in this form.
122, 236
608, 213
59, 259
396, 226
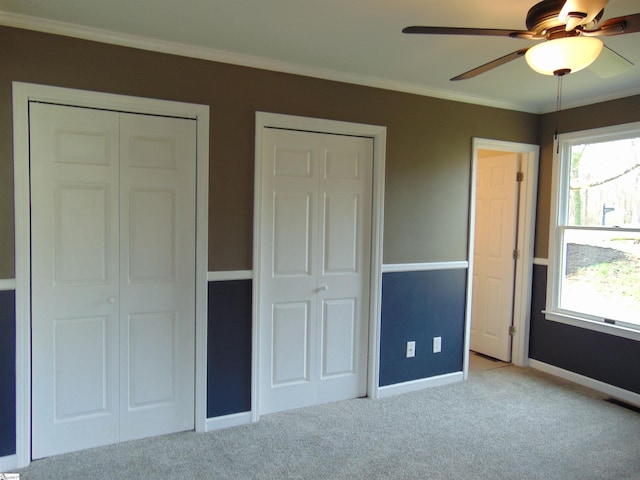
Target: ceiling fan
569, 29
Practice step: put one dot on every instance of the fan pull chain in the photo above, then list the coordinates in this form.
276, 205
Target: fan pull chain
559, 74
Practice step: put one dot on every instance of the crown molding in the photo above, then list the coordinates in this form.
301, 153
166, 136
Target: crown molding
605, 97
204, 53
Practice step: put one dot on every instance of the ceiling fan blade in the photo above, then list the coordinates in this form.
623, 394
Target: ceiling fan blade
493, 64
616, 26
610, 63
491, 32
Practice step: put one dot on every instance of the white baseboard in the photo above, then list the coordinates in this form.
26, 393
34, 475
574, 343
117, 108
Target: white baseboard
8, 464
606, 388
226, 421
414, 385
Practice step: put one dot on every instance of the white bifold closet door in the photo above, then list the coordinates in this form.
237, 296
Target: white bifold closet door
315, 268
113, 276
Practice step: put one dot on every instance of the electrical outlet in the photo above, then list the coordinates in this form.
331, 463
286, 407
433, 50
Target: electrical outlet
437, 344
411, 349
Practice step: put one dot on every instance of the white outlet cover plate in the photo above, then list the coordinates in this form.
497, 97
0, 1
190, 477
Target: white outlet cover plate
411, 349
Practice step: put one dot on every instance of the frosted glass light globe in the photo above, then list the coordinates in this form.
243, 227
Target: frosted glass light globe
569, 53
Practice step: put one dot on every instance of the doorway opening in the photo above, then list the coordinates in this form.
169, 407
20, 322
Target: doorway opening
501, 236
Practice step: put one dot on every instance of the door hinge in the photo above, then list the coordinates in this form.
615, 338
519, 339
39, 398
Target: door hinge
512, 330
516, 254
519, 177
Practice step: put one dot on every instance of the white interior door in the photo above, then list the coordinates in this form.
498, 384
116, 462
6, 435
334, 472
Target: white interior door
315, 264
493, 262
113, 266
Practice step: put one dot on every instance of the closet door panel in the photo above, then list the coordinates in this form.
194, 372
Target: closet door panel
75, 278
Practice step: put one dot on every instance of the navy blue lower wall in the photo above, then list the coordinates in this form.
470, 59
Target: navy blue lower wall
415, 306
7, 373
607, 358
229, 348
419, 306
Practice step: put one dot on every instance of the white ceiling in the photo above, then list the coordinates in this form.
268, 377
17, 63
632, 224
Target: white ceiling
358, 41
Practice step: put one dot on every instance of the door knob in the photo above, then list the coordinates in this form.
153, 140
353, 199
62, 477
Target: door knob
323, 288
111, 300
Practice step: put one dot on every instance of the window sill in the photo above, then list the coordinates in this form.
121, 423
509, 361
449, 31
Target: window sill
598, 326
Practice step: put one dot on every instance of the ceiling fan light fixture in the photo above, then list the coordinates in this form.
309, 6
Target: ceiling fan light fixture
562, 54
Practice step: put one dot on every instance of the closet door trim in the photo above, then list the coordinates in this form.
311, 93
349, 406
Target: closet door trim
23, 95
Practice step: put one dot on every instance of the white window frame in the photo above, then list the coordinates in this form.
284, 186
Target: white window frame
559, 199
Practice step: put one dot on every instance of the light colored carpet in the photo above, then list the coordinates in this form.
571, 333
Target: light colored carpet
503, 423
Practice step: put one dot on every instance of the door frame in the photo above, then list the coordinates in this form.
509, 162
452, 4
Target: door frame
316, 125
23, 94
525, 243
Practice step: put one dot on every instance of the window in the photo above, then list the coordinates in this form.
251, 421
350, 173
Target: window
594, 246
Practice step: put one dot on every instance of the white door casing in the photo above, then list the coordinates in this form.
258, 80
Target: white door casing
26, 95
113, 276
493, 260
316, 210
328, 290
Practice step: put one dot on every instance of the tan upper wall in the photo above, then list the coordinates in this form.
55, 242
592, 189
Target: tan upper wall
428, 142
615, 112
